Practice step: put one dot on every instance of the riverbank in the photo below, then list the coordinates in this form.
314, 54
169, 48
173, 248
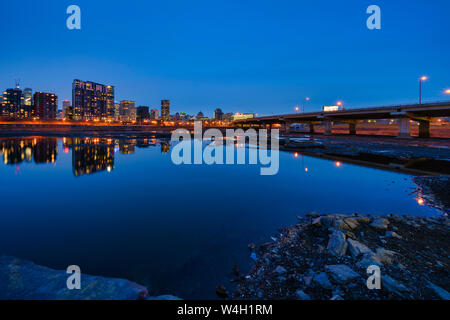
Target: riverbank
416, 156
326, 257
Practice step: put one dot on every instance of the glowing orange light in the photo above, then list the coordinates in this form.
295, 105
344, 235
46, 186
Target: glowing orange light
296, 155
338, 164
420, 201
339, 103
297, 108
423, 78
306, 169
308, 98
447, 91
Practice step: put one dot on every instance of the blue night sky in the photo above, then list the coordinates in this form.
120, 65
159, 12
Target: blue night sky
247, 56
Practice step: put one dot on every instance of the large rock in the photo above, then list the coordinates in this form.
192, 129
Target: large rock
301, 295
392, 234
346, 224
356, 248
442, 293
384, 256
380, 223
362, 219
394, 286
337, 244
342, 273
280, 270
322, 280
324, 221
23, 280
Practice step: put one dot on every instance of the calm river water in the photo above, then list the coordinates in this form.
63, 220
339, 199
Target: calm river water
121, 208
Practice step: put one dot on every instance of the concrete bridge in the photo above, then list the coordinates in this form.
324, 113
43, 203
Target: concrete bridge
423, 113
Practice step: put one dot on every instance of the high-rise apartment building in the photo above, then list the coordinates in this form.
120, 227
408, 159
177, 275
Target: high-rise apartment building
142, 113
27, 97
13, 106
45, 105
127, 111
67, 111
154, 114
218, 114
165, 110
92, 101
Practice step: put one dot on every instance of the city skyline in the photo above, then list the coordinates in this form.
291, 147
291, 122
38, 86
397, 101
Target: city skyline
221, 60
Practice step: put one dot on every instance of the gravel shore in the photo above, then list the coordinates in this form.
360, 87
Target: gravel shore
326, 257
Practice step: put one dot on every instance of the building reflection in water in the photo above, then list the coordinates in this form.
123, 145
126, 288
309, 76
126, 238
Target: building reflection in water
39, 149
165, 146
89, 155
126, 146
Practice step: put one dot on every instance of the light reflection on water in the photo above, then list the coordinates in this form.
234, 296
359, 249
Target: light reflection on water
121, 208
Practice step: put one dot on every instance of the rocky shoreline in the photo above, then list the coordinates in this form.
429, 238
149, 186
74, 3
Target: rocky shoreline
326, 257
24, 280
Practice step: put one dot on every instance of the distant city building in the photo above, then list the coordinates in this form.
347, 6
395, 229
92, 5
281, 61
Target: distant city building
92, 101
165, 109
13, 106
45, 105
27, 97
12, 99
184, 116
116, 111
127, 111
227, 117
67, 112
242, 116
142, 113
218, 114
154, 114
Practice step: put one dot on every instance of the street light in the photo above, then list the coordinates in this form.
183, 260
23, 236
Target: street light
447, 91
339, 103
304, 103
297, 109
423, 78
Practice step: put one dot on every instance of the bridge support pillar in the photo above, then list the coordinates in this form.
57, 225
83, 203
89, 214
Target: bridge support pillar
424, 129
311, 128
352, 128
327, 124
404, 128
